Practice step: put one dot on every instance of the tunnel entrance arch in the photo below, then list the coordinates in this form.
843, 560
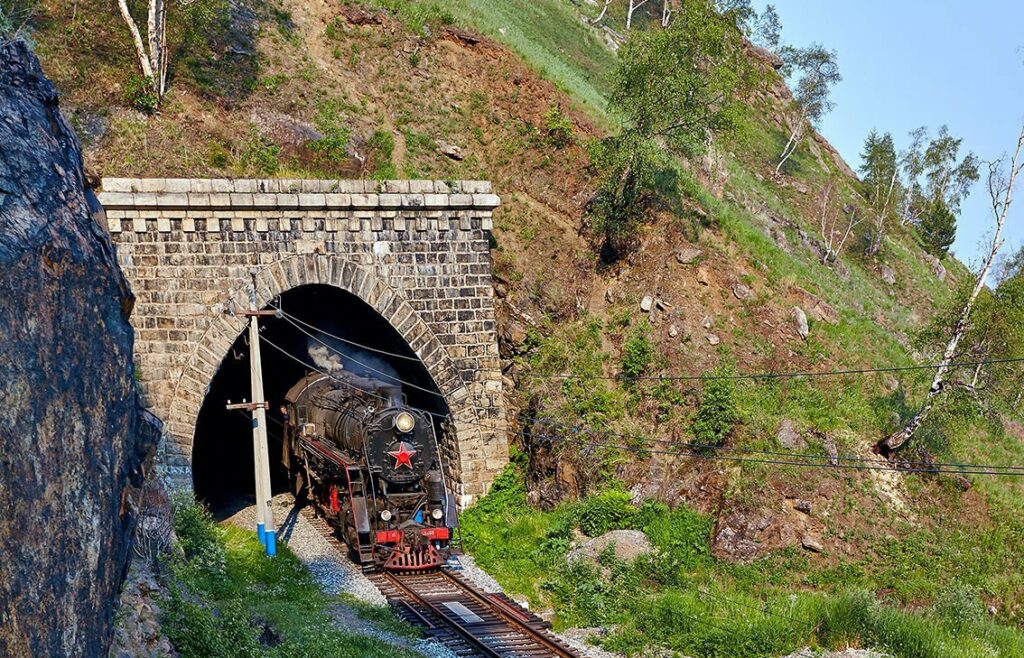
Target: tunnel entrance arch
389, 320
322, 328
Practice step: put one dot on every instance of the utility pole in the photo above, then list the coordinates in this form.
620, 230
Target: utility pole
261, 458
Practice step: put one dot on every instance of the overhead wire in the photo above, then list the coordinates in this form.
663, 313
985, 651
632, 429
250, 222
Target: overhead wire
699, 450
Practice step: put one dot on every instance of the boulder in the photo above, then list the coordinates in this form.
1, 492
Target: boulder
702, 276
629, 545
789, 437
707, 322
688, 255
887, 275
450, 150
812, 542
673, 331
742, 292
800, 322
802, 505
75, 445
936, 266
647, 303
714, 339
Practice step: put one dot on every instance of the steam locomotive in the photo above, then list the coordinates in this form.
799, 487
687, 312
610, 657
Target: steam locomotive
369, 464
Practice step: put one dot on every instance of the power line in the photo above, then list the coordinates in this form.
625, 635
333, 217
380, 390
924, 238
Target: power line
977, 470
297, 321
777, 375
698, 450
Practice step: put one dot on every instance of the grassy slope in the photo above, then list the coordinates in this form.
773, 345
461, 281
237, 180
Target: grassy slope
415, 87
227, 600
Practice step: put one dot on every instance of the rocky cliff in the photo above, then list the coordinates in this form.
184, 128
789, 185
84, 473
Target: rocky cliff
72, 440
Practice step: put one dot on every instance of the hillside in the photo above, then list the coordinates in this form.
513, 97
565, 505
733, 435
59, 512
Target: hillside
515, 92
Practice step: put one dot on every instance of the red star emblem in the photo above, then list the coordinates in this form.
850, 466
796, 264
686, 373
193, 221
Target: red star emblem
403, 455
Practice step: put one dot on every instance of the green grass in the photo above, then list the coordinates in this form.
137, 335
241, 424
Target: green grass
682, 599
227, 599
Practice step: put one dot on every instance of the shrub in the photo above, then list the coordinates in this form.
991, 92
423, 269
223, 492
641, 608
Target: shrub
138, 93
717, 412
609, 510
260, 156
960, 606
558, 128
637, 353
382, 145
198, 535
330, 121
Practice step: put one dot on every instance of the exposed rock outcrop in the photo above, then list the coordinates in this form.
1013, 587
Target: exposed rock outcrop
73, 443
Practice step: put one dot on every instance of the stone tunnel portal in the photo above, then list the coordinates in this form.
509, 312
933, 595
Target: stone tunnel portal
303, 340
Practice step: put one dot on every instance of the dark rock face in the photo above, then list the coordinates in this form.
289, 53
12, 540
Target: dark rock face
72, 440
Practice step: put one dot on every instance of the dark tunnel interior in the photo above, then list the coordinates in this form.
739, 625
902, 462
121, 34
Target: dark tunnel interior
222, 459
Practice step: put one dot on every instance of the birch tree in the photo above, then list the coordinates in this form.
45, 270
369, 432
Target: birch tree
836, 227
633, 6
881, 176
819, 71
153, 54
1002, 179
604, 10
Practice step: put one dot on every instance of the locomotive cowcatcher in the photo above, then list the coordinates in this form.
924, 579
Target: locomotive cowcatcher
369, 464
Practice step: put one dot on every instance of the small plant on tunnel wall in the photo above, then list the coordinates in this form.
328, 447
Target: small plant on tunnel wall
716, 414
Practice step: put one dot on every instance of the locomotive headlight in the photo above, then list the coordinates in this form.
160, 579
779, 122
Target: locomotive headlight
437, 513
404, 422
385, 515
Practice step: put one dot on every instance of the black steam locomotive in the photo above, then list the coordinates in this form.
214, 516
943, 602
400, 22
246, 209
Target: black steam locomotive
369, 464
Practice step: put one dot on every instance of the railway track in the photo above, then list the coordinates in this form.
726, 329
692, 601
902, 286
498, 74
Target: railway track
467, 620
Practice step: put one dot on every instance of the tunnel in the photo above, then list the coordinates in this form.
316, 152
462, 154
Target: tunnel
322, 327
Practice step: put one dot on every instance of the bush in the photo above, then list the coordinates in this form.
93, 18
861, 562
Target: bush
382, 145
138, 93
558, 128
198, 535
260, 156
637, 353
330, 121
960, 606
609, 510
717, 412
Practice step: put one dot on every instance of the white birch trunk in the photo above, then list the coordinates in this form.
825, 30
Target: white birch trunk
140, 49
1000, 208
633, 6
604, 10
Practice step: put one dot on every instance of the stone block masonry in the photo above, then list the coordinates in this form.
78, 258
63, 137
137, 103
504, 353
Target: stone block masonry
416, 251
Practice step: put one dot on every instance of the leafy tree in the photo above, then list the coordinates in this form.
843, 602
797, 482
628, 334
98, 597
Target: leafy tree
938, 228
817, 71
684, 83
767, 31
935, 172
673, 90
881, 177
1002, 179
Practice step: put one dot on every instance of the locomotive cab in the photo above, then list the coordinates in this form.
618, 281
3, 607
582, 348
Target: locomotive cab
370, 465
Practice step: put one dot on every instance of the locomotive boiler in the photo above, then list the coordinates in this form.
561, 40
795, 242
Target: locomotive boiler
369, 463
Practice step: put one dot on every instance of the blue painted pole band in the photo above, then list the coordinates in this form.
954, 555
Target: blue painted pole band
271, 544
261, 533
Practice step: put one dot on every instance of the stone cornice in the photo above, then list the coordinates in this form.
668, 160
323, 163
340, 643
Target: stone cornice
289, 194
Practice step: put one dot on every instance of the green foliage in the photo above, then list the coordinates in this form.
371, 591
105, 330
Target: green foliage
960, 606
558, 128
259, 156
423, 17
938, 229
684, 83
609, 510
629, 173
330, 121
382, 145
244, 605
637, 352
138, 93
716, 414
577, 349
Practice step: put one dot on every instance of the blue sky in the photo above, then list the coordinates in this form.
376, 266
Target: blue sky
908, 63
